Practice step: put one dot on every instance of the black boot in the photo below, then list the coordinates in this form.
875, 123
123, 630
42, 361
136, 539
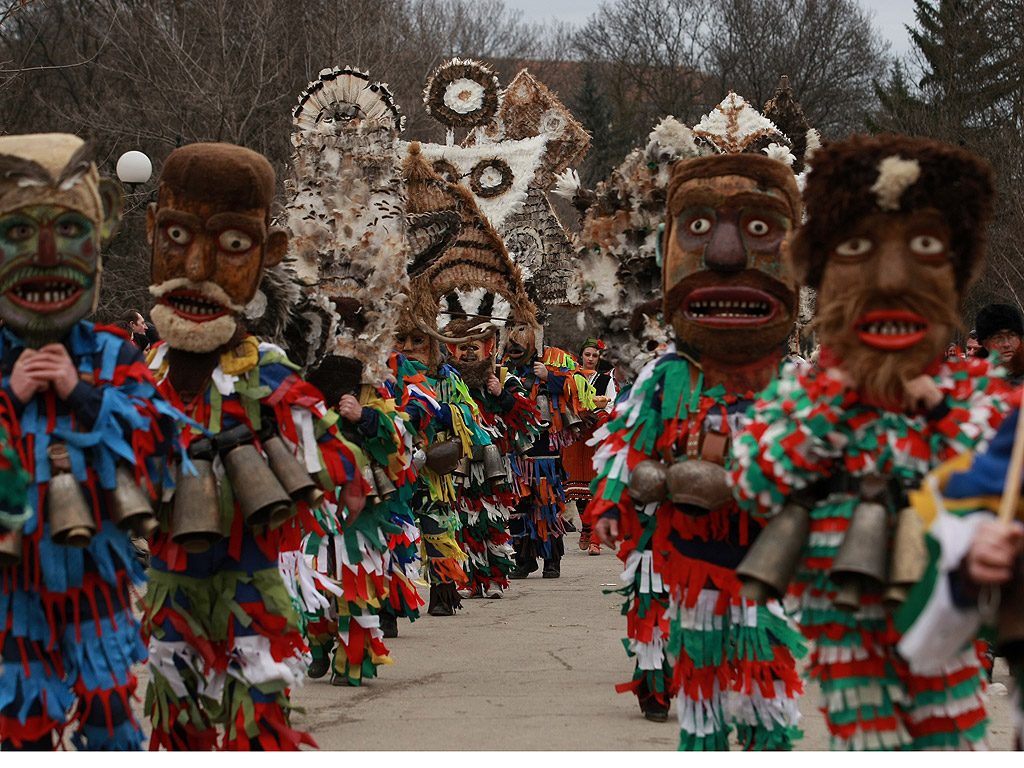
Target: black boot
653, 709
552, 568
444, 600
389, 624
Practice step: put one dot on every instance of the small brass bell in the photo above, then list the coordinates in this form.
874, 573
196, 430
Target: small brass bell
647, 482
523, 443
572, 421
462, 469
908, 559
291, 473
494, 463
860, 562
72, 523
130, 509
195, 514
698, 486
384, 485
771, 562
373, 497
544, 406
10, 548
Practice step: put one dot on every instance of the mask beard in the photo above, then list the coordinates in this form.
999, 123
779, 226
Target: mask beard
193, 337
880, 374
475, 373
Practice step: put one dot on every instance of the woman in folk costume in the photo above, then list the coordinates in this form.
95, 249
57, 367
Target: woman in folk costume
970, 562
578, 458
348, 249
662, 486
893, 236
81, 409
224, 640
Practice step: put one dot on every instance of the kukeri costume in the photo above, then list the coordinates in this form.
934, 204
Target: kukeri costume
224, 639
82, 408
894, 234
731, 303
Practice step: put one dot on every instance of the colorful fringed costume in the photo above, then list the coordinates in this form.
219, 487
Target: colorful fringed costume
804, 429
538, 526
67, 631
486, 502
942, 617
372, 562
224, 639
730, 660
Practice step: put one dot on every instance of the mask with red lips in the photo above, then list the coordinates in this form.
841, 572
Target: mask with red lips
55, 215
728, 292
893, 236
211, 238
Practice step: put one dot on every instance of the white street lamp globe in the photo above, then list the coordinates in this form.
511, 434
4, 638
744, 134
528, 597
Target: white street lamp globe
134, 167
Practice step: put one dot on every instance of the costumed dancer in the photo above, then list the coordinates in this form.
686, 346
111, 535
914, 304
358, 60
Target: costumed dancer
81, 407
489, 492
561, 394
662, 486
578, 458
348, 247
893, 236
224, 639
970, 561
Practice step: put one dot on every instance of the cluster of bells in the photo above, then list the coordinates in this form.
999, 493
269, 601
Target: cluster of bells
70, 517
447, 457
569, 419
266, 489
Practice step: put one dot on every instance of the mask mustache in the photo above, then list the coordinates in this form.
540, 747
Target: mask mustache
206, 289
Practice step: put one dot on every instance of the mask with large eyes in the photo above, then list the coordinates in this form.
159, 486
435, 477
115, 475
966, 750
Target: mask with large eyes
728, 291
415, 345
522, 343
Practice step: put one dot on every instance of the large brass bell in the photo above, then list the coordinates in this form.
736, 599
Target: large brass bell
494, 463
771, 562
262, 499
130, 509
444, 456
10, 548
544, 406
860, 562
908, 559
383, 482
195, 513
647, 482
523, 443
71, 519
698, 486
290, 472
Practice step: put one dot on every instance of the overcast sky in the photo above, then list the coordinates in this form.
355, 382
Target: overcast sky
890, 15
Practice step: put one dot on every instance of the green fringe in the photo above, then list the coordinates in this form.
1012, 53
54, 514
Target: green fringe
761, 739
716, 742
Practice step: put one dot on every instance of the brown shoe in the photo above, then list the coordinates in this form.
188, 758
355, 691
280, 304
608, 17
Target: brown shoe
595, 546
585, 538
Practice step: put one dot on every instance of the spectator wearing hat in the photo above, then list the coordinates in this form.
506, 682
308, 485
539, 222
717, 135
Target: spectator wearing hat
1000, 328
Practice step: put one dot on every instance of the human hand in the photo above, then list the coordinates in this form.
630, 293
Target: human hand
607, 530
540, 371
922, 393
25, 378
60, 370
494, 386
994, 551
350, 408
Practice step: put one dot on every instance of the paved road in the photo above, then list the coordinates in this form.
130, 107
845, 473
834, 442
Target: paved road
533, 671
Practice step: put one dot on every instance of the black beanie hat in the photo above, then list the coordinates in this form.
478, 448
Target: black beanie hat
992, 318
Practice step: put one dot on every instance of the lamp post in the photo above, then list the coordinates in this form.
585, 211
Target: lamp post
134, 168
